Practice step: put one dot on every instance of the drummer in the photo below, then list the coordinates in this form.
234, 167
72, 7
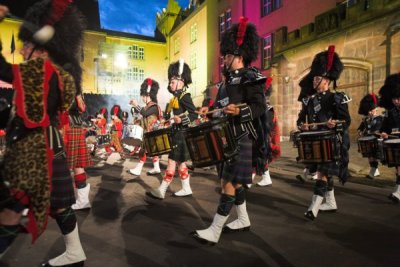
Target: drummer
390, 100
307, 91
179, 76
243, 99
327, 107
152, 115
370, 125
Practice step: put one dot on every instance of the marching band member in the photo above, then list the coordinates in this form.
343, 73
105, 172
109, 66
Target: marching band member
152, 115
327, 107
370, 125
179, 76
390, 100
116, 130
101, 121
307, 90
52, 32
77, 152
245, 86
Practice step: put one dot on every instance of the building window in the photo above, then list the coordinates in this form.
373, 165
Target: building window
193, 33
135, 73
129, 75
228, 19
268, 6
141, 53
141, 74
351, 2
267, 51
134, 52
225, 21
193, 60
177, 45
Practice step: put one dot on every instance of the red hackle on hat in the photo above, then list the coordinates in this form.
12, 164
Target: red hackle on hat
241, 30
331, 53
149, 83
374, 98
116, 109
103, 111
268, 83
58, 8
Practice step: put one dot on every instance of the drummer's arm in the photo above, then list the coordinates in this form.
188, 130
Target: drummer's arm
255, 100
188, 105
302, 118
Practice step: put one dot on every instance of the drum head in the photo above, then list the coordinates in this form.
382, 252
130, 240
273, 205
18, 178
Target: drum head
392, 141
367, 138
316, 133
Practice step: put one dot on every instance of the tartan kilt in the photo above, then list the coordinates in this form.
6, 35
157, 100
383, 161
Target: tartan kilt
179, 151
62, 187
76, 149
329, 169
239, 169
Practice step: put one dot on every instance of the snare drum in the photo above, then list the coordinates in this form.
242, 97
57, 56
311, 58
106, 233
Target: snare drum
158, 142
103, 139
317, 147
368, 146
211, 143
135, 136
391, 151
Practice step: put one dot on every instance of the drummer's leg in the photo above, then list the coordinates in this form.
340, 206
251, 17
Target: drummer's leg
395, 196
373, 164
83, 189
185, 180
159, 193
319, 193
9, 227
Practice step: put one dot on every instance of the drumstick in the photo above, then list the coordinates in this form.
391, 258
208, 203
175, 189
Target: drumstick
218, 109
320, 123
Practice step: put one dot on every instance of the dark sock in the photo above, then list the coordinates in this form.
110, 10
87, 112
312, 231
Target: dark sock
320, 188
240, 195
7, 235
225, 204
66, 221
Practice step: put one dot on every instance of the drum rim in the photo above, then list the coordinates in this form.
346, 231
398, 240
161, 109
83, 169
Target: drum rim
325, 132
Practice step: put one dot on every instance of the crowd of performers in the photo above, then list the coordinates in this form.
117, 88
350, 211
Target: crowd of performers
47, 142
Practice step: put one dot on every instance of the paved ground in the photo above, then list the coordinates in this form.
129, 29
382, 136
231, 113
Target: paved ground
127, 228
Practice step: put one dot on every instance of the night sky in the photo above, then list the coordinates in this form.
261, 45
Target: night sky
133, 16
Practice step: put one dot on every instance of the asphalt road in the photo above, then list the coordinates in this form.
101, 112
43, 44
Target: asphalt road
127, 228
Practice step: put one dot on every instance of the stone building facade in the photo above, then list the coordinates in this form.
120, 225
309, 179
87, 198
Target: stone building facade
367, 38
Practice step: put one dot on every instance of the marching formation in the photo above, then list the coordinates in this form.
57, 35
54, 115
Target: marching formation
48, 143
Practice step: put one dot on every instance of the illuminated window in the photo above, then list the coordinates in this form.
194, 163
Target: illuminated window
193, 33
267, 6
135, 73
141, 53
225, 21
141, 74
267, 51
177, 45
134, 52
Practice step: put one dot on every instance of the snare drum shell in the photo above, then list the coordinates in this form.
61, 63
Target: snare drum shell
158, 142
317, 147
368, 146
391, 150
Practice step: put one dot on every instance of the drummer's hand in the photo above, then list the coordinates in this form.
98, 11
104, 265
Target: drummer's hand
304, 127
384, 135
203, 110
232, 109
3, 12
331, 123
177, 119
133, 102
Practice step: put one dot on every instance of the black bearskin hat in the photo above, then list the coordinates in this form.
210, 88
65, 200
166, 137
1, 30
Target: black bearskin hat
116, 111
150, 88
367, 103
327, 64
64, 44
307, 87
241, 40
180, 70
390, 90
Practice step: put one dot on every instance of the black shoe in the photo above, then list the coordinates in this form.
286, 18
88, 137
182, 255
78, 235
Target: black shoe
300, 178
201, 240
328, 211
76, 264
309, 215
153, 196
393, 198
153, 173
226, 229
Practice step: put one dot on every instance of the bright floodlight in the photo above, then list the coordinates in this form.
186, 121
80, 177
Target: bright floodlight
121, 61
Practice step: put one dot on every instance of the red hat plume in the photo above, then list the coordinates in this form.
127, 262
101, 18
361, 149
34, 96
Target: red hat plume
331, 53
241, 30
58, 8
